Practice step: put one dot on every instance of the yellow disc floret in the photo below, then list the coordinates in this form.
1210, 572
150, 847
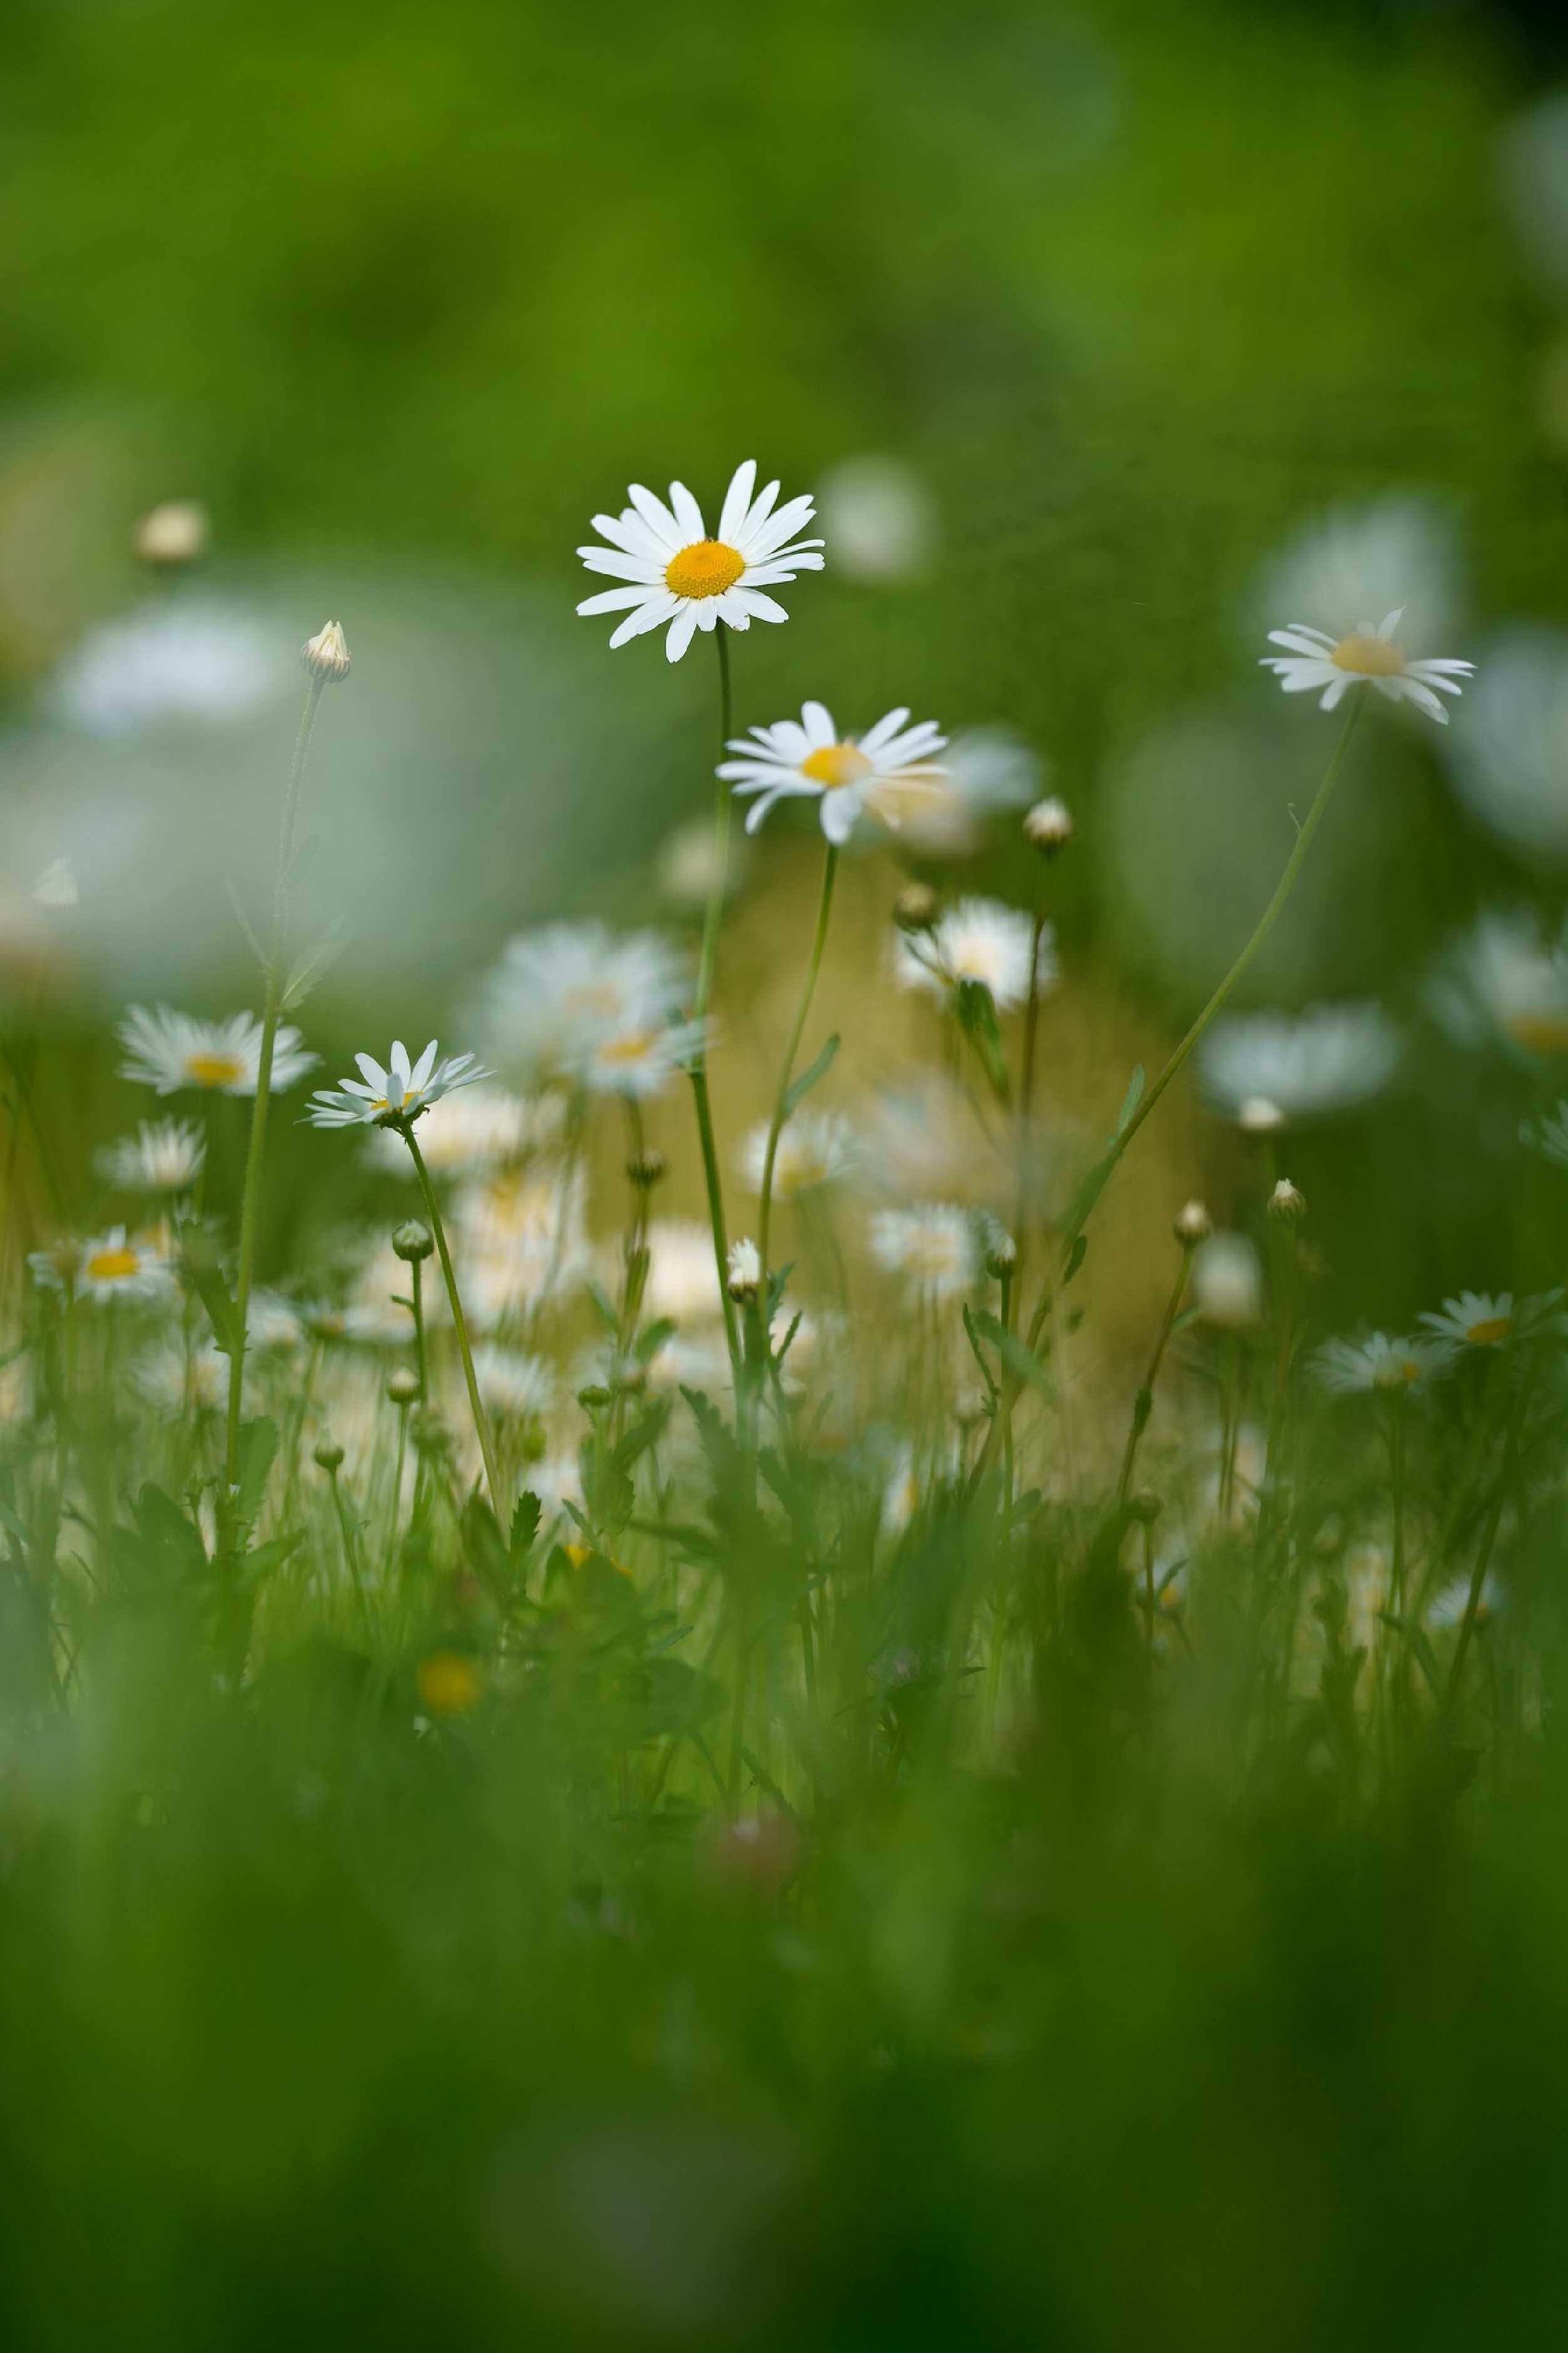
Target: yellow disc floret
836, 765
1365, 656
113, 1265
213, 1070
706, 568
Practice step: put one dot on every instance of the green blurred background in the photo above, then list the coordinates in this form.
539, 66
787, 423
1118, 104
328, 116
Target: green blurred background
364, 2048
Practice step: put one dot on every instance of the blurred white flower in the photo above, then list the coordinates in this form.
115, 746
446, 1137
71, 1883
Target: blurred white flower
56, 885
1445, 1611
561, 996
641, 1063
1375, 1364
1227, 1283
1510, 760
164, 1156
878, 516
1532, 160
1503, 984
399, 1094
1263, 1067
176, 1382
849, 778
169, 662
984, 771
170, 1051
934, 1248
1367, 654
689, 864
515, 1386
477, 1128
1396, 551
918, 1136
1480, 1319
273, 1323
116, 1265
682, 1281
678, 575
813, 1147
173, 532
522, 1240
1548, 1135
742, 1268
978, 940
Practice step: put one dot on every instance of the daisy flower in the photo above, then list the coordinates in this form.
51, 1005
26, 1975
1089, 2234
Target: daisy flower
196, 661
1445, 1611
1512, 755
175, 1381
639, 1063
1503, 982
169, 1050
678, 575
164, 1156
813, 1147
977, 940
1375, 1364
1313, 658
396, 1096
560, 994
849, 777
1264, 1067
1477, 1319
475, 1130
1227, 1283
515, 1386
1548, 1135
985, 772
935, 1249
682, 1281
116, 1265
523, 1239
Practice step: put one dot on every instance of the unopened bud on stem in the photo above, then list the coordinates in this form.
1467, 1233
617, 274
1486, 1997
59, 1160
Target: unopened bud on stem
326, 655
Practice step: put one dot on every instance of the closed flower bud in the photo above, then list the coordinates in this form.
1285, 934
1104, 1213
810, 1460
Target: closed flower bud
647, 1169
328, 1455
412, 1241
172, 533
1227, 1283
326, 655
594, 1398
1258, 1116
916, 908
402, 1387
1048, 826
743, 1271
1192, 1225
1144, 1507
1001, 1253
1286, 1202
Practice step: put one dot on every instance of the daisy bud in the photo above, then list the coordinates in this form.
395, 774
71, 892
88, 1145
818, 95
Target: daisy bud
743, 1277
1048, 826
326, 655
647, 1169
1001, 1254
328, 1455
172, 533
1194, 1225
1286, 1202
428, 1430
402, 1387
1258, 1116
594, 1398
1144, 1507
412, 1241
916, 908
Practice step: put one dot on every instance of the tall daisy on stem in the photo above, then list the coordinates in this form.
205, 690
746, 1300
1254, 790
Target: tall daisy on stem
675, 573
396, 1097
325, 661
849, 778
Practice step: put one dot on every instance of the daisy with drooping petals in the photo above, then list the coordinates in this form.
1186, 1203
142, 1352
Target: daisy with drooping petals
1328, 1058
1374, 1364
1476, 1320
396, 1096
164, 1156
1313, 658
979, 940
851, 776
169, 1050
677, 574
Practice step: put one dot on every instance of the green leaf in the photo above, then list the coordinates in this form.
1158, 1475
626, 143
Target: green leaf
1130, 1100
257, 1450
809, 1077
1020, 1360
525, 1521
986, 1374
224, 1315
262, 1559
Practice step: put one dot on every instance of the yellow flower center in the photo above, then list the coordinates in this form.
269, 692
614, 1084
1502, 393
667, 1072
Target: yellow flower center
631, 1046
450, 1684
706, 568
836, 765
213, 1070
1368, 657
1538, 1032
113, 1265
1490, 1331
1409, 1371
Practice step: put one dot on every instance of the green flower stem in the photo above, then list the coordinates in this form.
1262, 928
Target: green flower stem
250, 1201
1144, 1404
1101, 1175
721, 808
481, 1423
824, 910
1494, 1521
